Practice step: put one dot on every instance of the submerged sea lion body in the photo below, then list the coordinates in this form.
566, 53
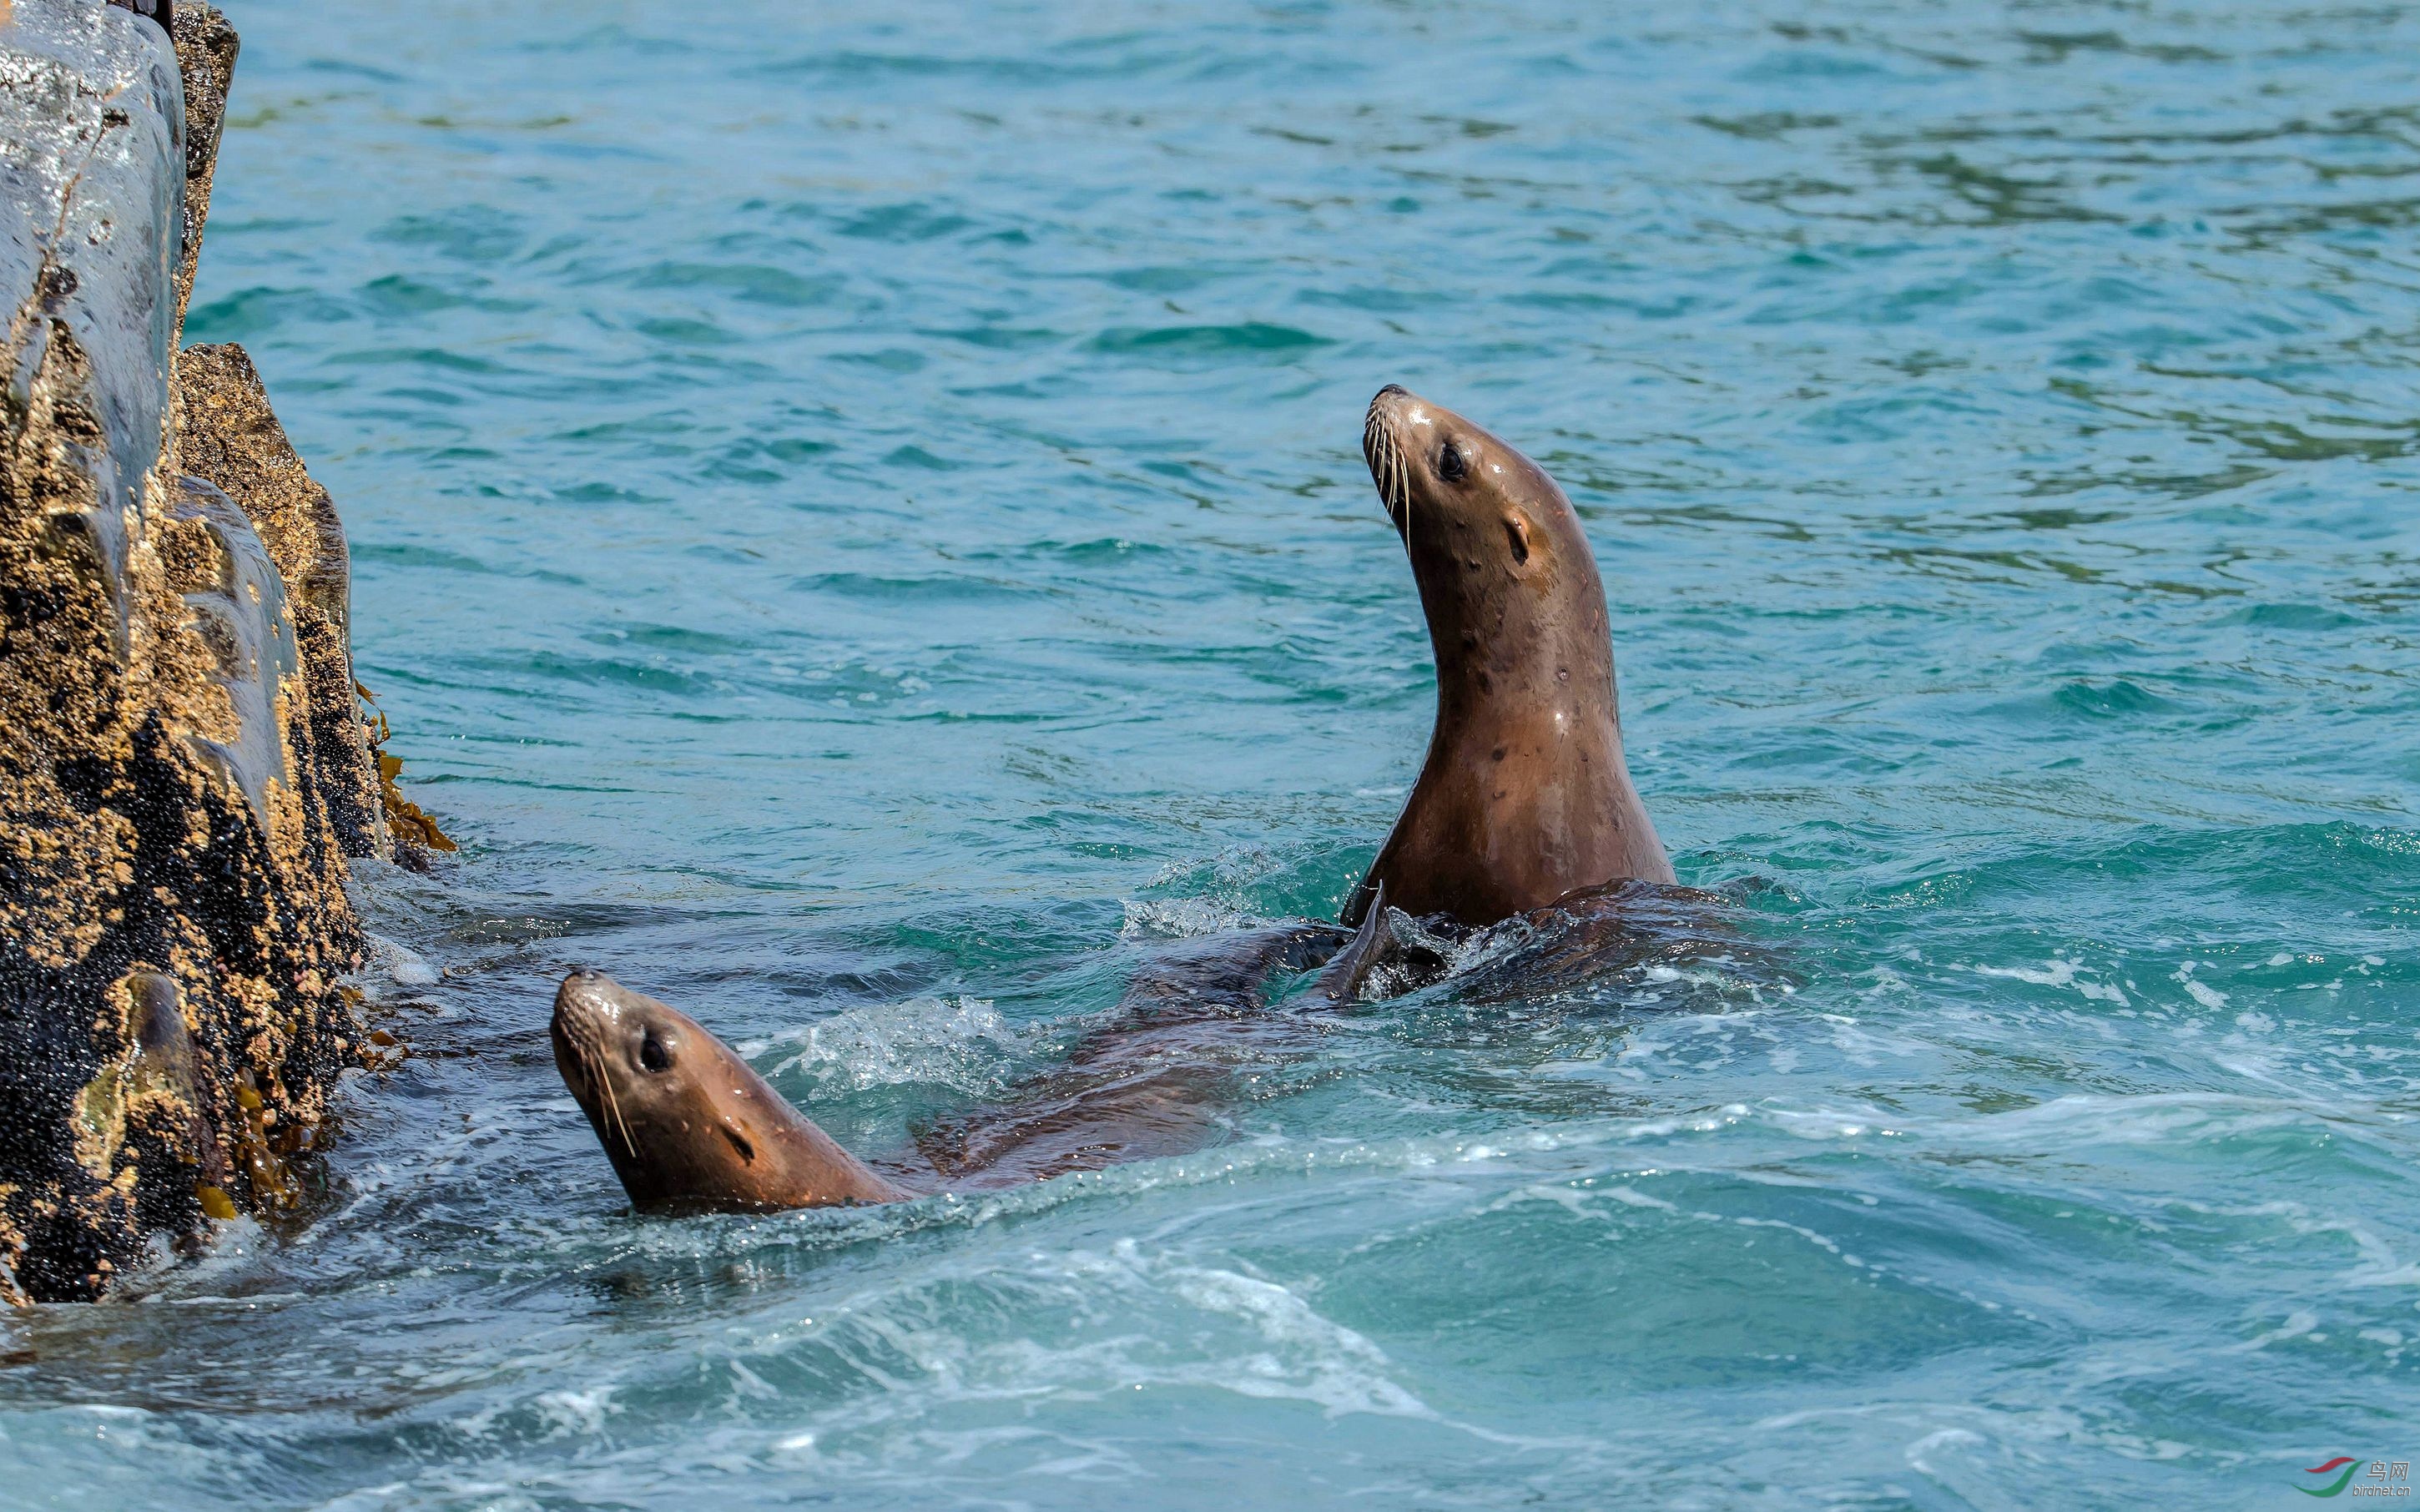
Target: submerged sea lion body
1586, 937
1525, 797
1161, 1074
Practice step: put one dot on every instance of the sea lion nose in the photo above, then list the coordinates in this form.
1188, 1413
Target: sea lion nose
1392, 389
586, 992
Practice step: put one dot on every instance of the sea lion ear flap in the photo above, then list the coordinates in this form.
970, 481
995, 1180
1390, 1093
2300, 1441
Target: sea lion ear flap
1519, 536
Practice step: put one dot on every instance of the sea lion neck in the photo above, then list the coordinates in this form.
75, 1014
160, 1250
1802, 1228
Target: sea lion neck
1501, 640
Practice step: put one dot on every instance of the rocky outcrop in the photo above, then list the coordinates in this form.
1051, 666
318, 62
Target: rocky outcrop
183, 768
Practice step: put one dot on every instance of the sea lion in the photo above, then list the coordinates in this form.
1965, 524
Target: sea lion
1525, 798
688, 1126
691, 1127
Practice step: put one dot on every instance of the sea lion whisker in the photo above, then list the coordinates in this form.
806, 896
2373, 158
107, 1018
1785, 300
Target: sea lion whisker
587, 1049
1403, 492
614, 1109
1402, 487
1377, 450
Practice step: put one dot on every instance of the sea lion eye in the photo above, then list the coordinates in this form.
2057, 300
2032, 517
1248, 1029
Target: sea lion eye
653, 1055
1451, 465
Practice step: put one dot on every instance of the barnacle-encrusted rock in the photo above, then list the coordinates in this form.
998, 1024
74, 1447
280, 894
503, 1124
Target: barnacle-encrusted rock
227, 437
182, 765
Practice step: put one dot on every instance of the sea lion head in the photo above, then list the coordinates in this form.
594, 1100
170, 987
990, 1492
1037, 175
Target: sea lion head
1525, 797
689, 1125
1497, 548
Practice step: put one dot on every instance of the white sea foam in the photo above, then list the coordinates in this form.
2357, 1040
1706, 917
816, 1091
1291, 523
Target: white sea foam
1180, 919
2058, 972
959, 1042
2208, 997
393, 963
575, 1411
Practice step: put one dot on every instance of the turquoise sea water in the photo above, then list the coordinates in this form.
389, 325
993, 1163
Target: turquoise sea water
858, 526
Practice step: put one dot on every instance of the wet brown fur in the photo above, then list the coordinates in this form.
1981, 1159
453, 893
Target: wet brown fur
1525, 797
703, 1133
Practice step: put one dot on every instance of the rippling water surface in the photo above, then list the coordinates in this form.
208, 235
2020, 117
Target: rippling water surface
859, 530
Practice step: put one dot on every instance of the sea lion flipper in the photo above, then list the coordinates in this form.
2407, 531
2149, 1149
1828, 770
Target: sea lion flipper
1373, 944
1228, 973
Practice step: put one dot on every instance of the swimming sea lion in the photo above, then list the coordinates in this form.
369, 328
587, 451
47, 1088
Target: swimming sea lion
691, 1127
688, 1126
1524, 798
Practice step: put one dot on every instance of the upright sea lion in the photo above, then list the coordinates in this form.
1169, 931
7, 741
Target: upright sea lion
1524, 798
